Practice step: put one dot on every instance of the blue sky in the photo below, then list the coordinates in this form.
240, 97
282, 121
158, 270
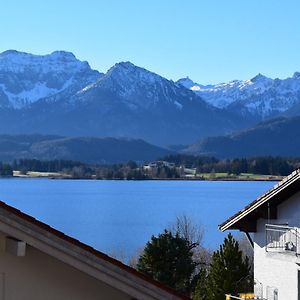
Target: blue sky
209, 41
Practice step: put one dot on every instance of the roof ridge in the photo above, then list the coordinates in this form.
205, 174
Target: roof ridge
280, 183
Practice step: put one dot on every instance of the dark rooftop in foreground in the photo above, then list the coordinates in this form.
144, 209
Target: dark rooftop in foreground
89, 249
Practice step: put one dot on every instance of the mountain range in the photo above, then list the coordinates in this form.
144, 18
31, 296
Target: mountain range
260, 97
57, 94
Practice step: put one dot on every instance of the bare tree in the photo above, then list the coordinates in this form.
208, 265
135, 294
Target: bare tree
133, 260
193, 232
188, 229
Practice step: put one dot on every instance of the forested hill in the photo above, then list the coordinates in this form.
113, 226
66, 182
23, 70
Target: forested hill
85, 149
278, 137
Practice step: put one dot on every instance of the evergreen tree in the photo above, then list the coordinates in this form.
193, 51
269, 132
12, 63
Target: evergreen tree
230, 272
199, 285
132, 164
168, 259
5, 170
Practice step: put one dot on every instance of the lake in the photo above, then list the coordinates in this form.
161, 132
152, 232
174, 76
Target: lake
119, 217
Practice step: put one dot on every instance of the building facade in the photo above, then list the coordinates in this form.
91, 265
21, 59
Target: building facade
272, 225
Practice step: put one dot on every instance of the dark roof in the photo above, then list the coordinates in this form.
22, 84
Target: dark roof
89, 249
256, 209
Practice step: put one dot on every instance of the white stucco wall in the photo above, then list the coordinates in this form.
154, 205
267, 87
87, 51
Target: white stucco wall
38, 276
278, 270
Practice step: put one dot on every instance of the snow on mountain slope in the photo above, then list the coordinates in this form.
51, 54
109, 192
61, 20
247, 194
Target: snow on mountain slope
140, 88
58, 94
190, 84
26, 78
58, 61
129, 101
260, 95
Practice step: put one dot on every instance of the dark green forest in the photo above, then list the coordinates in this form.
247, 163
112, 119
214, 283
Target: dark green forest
266, 165
277, 166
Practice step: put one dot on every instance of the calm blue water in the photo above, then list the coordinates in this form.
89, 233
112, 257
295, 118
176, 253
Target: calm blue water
120, 216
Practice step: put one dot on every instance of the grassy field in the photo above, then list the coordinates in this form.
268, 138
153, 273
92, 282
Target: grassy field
39, 174
242, 176
199, 176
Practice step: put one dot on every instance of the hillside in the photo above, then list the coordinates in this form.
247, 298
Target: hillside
279, 137
90, 150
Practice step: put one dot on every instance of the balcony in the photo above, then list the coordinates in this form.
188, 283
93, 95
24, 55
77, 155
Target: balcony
282, 239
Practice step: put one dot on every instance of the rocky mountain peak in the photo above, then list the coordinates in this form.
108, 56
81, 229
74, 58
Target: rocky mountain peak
127, 71
296, 75
60, 54
58, 61
259, 77
26, 78
186, 82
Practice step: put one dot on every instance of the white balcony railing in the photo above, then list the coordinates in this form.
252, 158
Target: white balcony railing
282, 238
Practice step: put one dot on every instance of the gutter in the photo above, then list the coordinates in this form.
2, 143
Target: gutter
248, 236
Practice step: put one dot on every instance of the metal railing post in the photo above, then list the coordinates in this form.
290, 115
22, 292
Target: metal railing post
296, 241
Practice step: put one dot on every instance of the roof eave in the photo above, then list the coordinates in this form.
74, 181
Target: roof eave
44, 237
268, 196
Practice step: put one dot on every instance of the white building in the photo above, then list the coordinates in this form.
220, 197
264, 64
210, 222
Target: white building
38, 262
272, 224
159, 164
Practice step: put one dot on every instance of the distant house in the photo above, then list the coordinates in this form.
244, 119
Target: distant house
38, 262
272, 224
190, 171
159, 164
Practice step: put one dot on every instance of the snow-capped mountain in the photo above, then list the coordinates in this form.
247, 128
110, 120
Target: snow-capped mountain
134, 102
139, 88
260, 96
58, 94
26, 78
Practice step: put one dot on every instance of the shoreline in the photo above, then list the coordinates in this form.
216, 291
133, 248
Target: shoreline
61, 177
